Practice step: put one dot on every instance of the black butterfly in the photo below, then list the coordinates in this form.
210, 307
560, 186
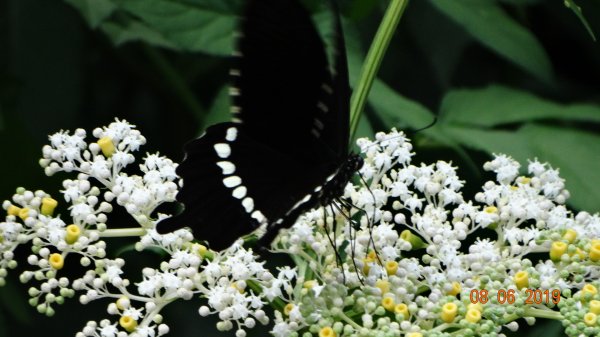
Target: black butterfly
286, 149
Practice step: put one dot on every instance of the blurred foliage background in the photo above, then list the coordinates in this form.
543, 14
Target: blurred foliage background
520, 77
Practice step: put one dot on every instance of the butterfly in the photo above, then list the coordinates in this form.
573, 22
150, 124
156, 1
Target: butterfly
285, 151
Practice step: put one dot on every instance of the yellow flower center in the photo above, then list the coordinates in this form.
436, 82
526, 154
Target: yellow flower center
13, 210
107, 146
473, 316
128, 323
48, 206
391, 267
327, 332
388, 303
455, 289
590, 319
288, 308
449, 311
588, 291
521, 279
595, 252
73, 233
56, 261
383, 285
491, 209
595, 306
402, 308
557, 250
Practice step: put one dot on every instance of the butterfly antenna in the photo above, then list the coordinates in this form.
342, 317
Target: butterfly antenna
434, 122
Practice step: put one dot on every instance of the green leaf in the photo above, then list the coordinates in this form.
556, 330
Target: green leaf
220, 109
186, 27
546, 328
94, 11
128, 248
398, 110
575, 153
577, 10
395, 109
487, 22
135, 31
15, 303
497, 105
3, 325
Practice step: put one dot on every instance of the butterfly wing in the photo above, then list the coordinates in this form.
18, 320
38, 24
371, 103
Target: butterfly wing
283, 90
289, 134
233, 183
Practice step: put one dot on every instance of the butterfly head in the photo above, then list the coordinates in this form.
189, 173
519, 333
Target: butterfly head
335, 184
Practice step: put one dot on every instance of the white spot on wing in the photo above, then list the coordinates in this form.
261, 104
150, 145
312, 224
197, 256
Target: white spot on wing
248, 204
237, 53
233, 91
319, 124
234, 72
232, 181
239, 192
322, 106
227, 167
236, 120
235, 109
299, 203
326, 88
231, 134
258, 216
223, 150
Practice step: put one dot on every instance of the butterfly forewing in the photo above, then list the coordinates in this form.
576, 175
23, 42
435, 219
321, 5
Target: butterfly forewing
233, 183
282, 85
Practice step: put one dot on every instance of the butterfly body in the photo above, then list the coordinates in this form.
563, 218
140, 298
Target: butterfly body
286, 149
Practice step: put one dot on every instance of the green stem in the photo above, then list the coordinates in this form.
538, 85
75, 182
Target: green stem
534, 312
176, 83
373, 60
122, 232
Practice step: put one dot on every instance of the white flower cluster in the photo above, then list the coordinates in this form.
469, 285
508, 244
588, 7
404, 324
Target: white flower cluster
236, 285
407, 210
413, 257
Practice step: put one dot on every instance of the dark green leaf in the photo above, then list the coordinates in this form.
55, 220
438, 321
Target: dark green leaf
392, 107
128, 248
486, 21
577, 10
186, 27
398, 110
14, 302
220, 109
3, 325
547, 328
575, 153
497, 105
94, 11
135, 31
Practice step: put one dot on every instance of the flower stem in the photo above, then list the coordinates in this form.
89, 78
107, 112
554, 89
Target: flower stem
534, 312
122, 232
373, 60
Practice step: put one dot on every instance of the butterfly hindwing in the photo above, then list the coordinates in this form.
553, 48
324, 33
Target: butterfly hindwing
232, 184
